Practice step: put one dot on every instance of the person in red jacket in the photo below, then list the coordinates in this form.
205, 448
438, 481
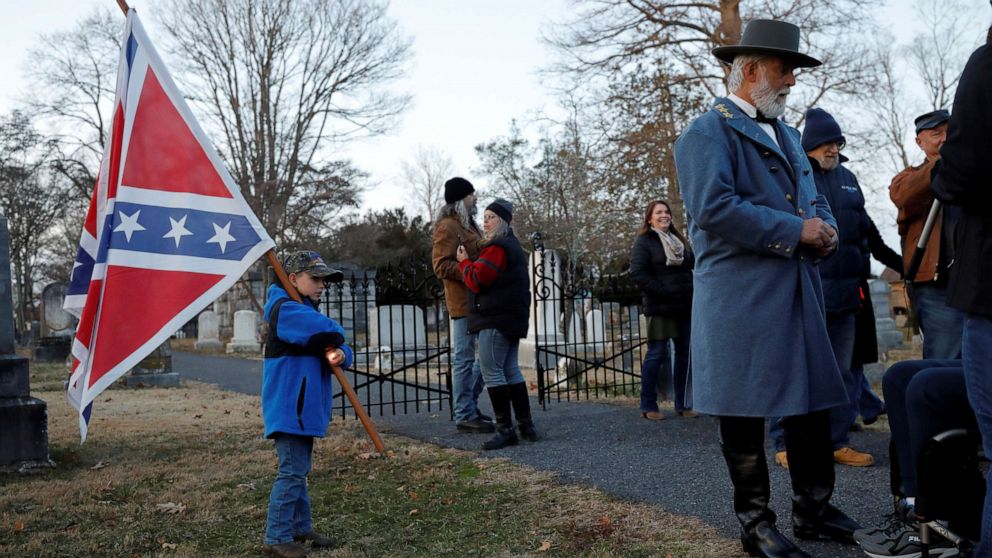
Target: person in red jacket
498, 311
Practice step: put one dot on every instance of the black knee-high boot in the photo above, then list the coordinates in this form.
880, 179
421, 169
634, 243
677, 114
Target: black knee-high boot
505, 435
742, 442
811, 467
521, 410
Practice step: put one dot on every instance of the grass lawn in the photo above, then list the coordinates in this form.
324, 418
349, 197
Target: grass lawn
185, 473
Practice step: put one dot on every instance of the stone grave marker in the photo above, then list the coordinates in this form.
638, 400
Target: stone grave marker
208, 331
24, 419
245, 329
57, 325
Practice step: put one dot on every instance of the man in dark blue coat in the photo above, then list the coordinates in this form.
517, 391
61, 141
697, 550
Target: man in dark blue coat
841, 274
760, 345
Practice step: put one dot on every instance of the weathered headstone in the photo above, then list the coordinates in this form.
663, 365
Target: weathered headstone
245, 329
397, 326
208, 331
24, 419
155, 370
596, 330
57, 325
886, 333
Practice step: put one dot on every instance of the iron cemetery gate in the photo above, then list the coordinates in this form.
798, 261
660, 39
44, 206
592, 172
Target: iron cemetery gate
395, 321
585, 329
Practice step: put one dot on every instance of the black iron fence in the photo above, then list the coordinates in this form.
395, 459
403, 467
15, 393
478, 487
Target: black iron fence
585, 330
395, 320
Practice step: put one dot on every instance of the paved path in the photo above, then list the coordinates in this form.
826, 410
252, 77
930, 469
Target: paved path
674, 464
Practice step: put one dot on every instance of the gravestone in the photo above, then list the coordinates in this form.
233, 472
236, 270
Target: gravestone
155, 370
208, 331
397, 325
596, 330
57, 325
886, 332
245, 329
24, 419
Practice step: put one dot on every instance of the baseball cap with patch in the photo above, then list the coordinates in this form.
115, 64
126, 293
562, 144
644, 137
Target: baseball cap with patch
311, 262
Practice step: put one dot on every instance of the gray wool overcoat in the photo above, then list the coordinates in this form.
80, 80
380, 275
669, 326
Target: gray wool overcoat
759, 338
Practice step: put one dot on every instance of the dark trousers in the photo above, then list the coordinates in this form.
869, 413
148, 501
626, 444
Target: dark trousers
924, 398
810, 451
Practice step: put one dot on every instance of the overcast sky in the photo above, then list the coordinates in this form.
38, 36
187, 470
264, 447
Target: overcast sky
473, 71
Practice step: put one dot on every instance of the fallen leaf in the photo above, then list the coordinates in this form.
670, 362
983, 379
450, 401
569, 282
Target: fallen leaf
366, 455
197, 416
604, 520
414, 511
171, 507
545, 546
413, 495
247, 486
169, 546
18, 526
98, 466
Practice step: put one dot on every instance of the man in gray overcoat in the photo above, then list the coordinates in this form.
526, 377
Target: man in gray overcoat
760, 344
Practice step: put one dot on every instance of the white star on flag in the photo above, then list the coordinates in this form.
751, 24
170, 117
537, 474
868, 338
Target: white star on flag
129, 224
178, 231
222, 235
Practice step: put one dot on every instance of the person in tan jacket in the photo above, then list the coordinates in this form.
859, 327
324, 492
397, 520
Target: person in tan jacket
910, 192
455, 226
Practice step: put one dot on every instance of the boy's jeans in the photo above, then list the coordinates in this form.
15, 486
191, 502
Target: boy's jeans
289, 502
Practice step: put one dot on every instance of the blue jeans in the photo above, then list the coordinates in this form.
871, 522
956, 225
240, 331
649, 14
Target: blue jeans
977, 359
466, 377
941, 324
656, 365
657, 369
289, 501
869, 405
840, 329
498, 356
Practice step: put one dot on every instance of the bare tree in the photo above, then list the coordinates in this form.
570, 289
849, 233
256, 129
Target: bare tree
72, 76
282, 82
936, 55
32, 198
425, 176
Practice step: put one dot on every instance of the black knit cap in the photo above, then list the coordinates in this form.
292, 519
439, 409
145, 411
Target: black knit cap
503, 208
820, 128
456, 189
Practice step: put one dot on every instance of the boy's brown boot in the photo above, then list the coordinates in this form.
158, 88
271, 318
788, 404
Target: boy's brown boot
285, 550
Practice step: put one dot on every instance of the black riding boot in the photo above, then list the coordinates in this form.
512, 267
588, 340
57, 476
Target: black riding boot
505, 436
811, 466
521, 410
743, 449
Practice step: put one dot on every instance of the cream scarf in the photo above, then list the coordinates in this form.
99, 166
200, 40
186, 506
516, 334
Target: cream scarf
674, 249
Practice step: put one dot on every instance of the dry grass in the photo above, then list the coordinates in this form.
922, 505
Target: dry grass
184, 473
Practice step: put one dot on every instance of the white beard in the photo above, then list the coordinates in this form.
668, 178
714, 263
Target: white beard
767, 100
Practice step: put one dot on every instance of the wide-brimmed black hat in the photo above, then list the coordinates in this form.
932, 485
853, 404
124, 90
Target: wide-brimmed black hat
767, 36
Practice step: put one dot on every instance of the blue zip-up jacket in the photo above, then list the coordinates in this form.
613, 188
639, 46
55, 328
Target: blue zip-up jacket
296, 378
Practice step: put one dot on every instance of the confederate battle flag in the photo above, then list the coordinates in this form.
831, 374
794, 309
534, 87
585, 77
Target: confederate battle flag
167, 230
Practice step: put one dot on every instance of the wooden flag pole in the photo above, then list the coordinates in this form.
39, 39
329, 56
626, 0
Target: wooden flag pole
338, 373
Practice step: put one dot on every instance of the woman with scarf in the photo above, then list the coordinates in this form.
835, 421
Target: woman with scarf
661, 264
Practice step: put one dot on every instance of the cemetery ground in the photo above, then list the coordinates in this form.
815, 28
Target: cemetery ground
186, 473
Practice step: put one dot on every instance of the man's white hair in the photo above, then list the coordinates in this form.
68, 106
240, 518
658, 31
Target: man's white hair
736, 78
